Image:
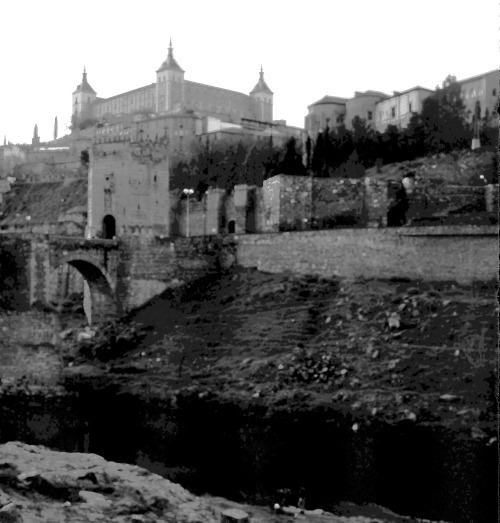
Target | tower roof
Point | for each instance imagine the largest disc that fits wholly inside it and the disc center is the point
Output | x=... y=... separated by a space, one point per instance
x=261 y=86
x=84 y=86
x=170 y=63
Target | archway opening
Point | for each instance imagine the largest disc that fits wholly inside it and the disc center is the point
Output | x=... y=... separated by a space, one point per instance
x=231 y=226
x=99 y=302
x=84 y=158
x=108 y=227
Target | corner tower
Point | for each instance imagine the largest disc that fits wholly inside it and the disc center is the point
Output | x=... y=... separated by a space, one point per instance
x=262 y=98
x=170 y=85
x=83 y=97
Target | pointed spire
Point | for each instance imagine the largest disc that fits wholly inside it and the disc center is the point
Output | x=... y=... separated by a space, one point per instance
x=4 y=139
x=35 y=131
x=261 y=85
x=170 y=51
x=170 y=62
x=84 y=85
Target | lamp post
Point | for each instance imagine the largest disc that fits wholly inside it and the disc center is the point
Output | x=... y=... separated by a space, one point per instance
x=187 y=192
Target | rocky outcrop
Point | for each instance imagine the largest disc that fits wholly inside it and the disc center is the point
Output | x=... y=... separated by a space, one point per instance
x=39 y=485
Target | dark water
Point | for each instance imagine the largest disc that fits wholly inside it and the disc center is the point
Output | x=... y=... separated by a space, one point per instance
x=244 y=455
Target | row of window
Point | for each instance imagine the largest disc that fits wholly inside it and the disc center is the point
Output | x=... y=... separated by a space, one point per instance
x=472 y=93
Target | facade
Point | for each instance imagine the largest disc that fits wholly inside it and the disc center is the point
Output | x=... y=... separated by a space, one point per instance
x=176 y=131
x=363 y=106
x=128 y=189
x=173 y=94
x=328 y=112
x=180 y=131
x=399 y=108
x=483 y=89
x=214 y=130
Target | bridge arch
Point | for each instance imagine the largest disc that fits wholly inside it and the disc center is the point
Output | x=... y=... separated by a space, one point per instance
x=99 y=290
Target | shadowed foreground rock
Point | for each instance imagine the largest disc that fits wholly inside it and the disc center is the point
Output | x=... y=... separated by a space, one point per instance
x=38 y=485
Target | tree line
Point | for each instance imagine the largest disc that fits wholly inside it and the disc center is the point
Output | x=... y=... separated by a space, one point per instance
x=442 y=126
x=226 y=164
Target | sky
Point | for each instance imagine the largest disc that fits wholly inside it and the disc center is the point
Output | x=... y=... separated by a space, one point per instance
x=308 y=49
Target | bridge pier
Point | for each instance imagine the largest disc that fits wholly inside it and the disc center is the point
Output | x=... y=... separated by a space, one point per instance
x=98 y=307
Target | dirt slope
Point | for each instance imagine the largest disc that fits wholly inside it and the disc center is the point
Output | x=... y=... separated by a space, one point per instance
x=386 y=349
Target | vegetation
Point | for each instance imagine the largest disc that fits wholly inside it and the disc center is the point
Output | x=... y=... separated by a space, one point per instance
x=442 y=126
x=81 y=125
x=225 y=164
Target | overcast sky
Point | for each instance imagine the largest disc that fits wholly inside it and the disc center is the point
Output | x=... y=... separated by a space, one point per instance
x=308 y=48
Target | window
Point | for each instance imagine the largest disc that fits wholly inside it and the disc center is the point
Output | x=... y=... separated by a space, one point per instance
x=494 y=92
x=409 y=106
x=370 y=115
x=393 y=112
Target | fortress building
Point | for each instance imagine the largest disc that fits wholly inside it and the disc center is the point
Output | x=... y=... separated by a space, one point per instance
x=173 y=94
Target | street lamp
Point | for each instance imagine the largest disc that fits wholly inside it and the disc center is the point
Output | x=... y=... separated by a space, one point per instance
x=187 y=192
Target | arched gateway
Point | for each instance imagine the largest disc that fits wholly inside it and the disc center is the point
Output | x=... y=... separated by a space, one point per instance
x=99 y=295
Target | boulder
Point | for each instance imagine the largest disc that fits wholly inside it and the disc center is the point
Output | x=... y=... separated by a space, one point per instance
x=57 y=486
x=234 y=515
x=10 y=514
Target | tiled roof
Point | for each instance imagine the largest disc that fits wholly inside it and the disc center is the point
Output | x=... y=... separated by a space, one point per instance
x=495 y=71
x=170 y=63
x=261 y=86
x=126 y=93
x=330 y=100
x=416 y=88
x=84 y=86
x=357 y=94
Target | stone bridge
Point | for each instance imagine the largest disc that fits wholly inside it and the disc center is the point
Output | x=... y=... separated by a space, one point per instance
x=97 y=261
x=118 y=275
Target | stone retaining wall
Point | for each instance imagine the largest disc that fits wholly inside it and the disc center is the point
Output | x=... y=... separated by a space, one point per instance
x=462 y=254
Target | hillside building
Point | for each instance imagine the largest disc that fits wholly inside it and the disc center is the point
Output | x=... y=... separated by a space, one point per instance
x=173 y=94
x=380 y=110
x=363 y=106
x=399 y=108
x=328 y=112
x=483 y=89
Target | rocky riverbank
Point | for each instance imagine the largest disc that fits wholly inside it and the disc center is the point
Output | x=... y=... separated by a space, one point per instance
x=39 y=485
